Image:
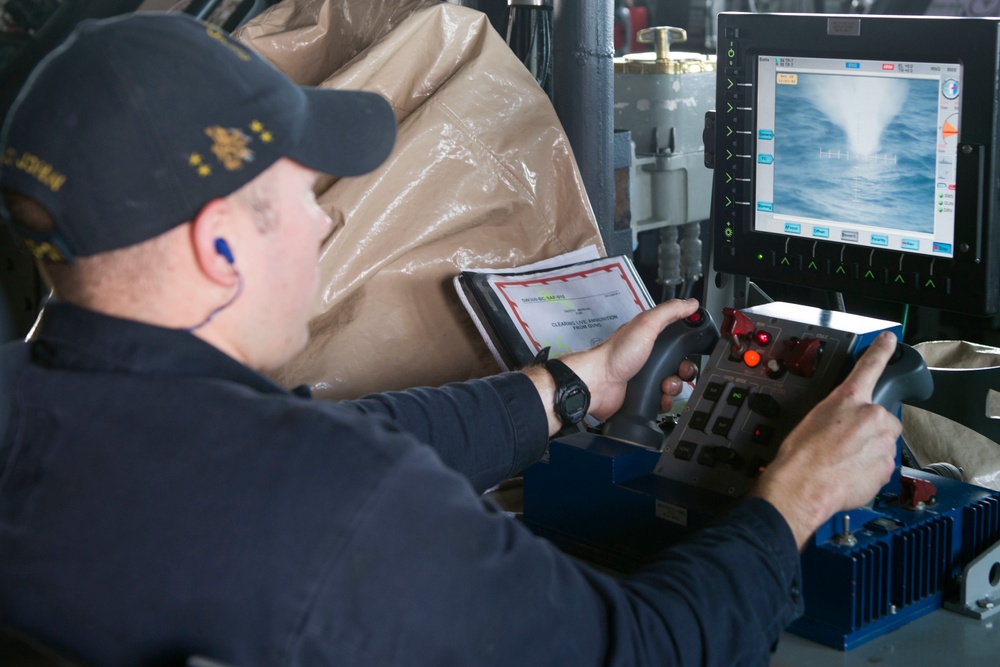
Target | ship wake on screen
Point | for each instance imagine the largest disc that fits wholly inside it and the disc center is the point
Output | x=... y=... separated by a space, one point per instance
x=859 y=149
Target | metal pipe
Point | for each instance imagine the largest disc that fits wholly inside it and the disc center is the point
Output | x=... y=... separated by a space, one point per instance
x=495 y=10
x=583 y=95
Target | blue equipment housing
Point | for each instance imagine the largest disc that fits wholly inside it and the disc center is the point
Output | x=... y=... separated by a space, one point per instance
x=618 y=503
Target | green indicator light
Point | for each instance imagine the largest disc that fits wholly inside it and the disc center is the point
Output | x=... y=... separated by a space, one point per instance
x=760 y=256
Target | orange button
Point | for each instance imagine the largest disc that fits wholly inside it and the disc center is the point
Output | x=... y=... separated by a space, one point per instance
x=751 y=358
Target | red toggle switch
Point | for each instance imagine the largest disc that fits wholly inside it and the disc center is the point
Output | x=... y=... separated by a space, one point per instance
x=916 y=492
x=804 y=356
x=738 y=328
x=735 y=323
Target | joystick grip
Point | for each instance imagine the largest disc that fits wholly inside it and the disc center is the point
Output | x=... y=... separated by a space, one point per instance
x=635 y=422
x=905 y=379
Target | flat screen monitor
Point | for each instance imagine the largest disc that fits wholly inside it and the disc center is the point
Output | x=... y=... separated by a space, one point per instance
x=858 y=154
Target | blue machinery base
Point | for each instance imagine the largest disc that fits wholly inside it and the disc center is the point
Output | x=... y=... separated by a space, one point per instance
x=597 y=498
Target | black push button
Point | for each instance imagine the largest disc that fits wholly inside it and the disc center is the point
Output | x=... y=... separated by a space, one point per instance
x=765 y=405
x=720 y=456
x=722 y=426
x=737 y=395
x=713 y=391
x=762 y=434
x=698 y=421
x=685 y=450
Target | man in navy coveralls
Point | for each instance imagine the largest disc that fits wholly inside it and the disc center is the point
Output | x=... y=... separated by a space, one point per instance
x=159 y=497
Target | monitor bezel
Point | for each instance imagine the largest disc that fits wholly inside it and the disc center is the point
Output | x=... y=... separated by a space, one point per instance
x=972 y=275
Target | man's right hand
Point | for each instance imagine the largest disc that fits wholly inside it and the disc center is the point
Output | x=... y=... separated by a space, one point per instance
x=840 y=455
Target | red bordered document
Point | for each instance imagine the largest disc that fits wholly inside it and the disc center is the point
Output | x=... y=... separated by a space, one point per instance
x=568 y=308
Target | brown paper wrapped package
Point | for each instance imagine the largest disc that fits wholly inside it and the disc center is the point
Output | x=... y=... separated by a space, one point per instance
x=482 y=175
x=934 y=438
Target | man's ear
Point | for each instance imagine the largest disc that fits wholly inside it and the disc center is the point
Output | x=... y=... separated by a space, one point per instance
x=214 y=250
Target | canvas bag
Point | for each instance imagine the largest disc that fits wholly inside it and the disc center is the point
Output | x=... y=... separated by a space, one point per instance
x=935 y=438
x=482 y=175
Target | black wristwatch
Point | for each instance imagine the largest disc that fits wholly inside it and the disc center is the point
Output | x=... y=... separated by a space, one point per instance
x=572 y=399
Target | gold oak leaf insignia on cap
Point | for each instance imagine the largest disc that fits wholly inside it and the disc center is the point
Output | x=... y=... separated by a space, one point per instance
x=44 y=251
x=195 y=160
x=258 y=128
x=229 y=146
x=216 y=34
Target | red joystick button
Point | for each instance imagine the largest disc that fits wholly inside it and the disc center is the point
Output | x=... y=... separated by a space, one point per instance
x=696 y=319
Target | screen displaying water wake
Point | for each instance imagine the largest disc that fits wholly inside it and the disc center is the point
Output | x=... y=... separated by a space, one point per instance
x=858 y=151
x=859 y=154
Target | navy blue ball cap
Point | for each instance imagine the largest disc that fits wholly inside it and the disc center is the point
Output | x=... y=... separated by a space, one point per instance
x=135 y=123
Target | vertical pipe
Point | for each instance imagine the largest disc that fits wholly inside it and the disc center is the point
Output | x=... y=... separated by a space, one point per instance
x=495 y=10
x=583 y=95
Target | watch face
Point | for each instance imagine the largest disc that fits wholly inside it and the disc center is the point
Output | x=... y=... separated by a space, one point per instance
x=572 y=396
x=575 y=403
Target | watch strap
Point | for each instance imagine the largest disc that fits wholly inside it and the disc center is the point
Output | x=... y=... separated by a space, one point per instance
x=572 y=396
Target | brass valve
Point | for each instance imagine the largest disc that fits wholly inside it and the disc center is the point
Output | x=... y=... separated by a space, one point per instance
x=661 y=37
x=662 y=60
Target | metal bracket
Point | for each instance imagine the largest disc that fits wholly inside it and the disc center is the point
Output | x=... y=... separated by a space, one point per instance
x=979 y=586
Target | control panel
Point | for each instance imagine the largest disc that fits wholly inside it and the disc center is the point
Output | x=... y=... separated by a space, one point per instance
x=620 y=497
x=772 y=364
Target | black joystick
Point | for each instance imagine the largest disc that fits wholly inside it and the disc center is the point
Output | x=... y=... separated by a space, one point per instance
x=635 y=422
x=905 y=379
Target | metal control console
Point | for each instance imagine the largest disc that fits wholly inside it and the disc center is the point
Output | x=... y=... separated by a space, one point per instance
x=619 y=497
x=773 y=364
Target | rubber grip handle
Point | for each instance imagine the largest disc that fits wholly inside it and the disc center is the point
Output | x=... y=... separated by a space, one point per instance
x=635 y=421
x=905 y=379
